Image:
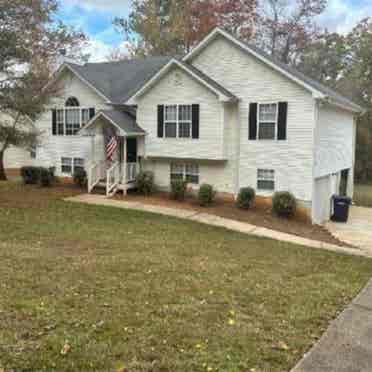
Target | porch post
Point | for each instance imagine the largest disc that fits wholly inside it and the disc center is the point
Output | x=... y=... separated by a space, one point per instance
x=125 y=165
x=93 y=150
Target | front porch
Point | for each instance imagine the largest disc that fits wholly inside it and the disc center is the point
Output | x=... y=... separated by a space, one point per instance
x=120 y=170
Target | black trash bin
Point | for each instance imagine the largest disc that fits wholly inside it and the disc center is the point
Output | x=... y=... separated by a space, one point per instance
x=341 y=206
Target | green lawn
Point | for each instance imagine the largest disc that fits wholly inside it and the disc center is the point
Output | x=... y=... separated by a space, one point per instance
x=363 y=195
x=152 y=293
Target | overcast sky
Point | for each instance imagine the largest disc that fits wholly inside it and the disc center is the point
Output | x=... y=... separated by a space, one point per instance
x=94 y=17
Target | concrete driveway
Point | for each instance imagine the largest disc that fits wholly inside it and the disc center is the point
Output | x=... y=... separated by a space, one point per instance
x=357 y=231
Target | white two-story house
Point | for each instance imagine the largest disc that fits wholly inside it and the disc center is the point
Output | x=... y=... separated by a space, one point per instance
x=225 y=114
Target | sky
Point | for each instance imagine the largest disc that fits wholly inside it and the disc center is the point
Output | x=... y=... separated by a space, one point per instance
x=94 y=18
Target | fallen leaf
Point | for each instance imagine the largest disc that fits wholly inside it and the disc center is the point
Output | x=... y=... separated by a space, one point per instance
x=66 y=348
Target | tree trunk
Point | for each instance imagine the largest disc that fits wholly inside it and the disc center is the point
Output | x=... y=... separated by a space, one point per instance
x=2 y=169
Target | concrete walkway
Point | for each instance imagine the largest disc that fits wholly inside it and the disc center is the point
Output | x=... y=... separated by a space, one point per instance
x=357 y=231
x=215 y=221
x=347 y=344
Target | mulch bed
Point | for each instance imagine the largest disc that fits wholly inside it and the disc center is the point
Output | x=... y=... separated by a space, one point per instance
x=260 y=215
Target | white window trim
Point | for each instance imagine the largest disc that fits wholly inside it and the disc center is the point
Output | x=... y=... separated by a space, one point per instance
x=259 y=122
x=266 y=191
x=177 y=121
x=184 y=173
x=65 y=109
x=72 y=164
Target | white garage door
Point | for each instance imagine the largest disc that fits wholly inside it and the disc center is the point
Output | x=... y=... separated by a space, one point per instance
x=325 y=187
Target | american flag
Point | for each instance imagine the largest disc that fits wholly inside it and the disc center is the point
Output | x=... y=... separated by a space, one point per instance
x=111 y=142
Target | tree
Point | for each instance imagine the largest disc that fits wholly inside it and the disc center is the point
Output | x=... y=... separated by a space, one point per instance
x=287 y=27
x=30 y=42
x=173 y=27
x=325 y=59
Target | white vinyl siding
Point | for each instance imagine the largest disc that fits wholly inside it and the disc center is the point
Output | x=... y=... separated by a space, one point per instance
x=334 y=144
x=53 y=148
x=254 y=82
x=179 y=89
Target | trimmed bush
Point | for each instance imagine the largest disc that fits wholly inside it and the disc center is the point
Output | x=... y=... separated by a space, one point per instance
x=30 y=175
x=80 y=178
x=178 y=189
x=46 y=177
x=206 y=195
x=145 y=183
x=284 y=204
x=245 y=198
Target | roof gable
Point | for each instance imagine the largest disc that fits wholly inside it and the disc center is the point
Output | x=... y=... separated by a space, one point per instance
x=317 y=89
x=222 y=93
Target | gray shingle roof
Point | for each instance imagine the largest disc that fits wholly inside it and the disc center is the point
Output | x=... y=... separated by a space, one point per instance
x=117 y=80
x=123 y=120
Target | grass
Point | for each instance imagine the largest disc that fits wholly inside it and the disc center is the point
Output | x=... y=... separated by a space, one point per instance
x=121 y=290
x=363 y=195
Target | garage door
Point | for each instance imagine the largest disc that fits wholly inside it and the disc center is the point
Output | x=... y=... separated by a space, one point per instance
x=325 y=187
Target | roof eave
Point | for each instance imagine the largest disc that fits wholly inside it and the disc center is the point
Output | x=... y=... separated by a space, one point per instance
x=348 y=107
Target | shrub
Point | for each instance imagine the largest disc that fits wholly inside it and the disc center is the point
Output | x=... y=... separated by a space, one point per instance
x=206 y=195
x=46 y=177
x=145 y=183
x=80 y=178
x=246 y=197
x=284 y=204
x=178 y=189
x=30 y=175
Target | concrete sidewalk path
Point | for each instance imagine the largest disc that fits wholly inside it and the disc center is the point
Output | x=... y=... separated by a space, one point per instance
x=213 y=220
x=347 y=344
x=357 y=231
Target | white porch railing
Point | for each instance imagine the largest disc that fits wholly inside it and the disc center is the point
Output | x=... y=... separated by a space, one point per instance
x=113 y=179
x=95 y=174
x=131 y=172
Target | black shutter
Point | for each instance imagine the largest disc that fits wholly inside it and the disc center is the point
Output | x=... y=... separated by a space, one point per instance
x=92 y=113
x=160 y=121
x=282 y=121
x=195 y=121
x=252 y=121
x=54 y=122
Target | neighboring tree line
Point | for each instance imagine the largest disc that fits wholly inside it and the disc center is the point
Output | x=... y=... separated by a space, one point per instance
x=287 y=30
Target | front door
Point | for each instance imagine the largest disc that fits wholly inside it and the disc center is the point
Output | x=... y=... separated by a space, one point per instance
x=131 y=150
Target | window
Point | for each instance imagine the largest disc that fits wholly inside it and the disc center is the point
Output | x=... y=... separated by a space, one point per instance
x=184 y=121
x=177 y=121
x=66 y=165
x=188 y=172
x=72 y=102
x=60 y=122
x=33 y=151
x=176 y=172
x=85 y=116
x=267 y=121
x=266 y=179
x=192 y=173
x=78 y=164
x=70 y=165
x=70 y=119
